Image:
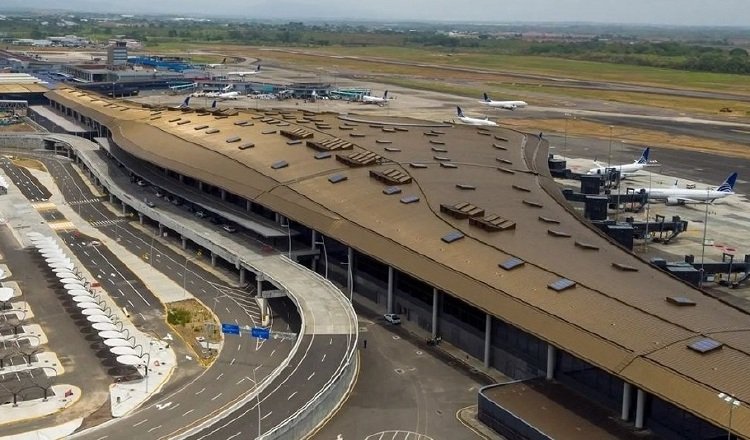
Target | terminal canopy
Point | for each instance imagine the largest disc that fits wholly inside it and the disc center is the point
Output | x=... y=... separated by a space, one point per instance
x=6 y=293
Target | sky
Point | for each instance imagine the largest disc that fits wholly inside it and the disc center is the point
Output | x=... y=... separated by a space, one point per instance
x=669 y=12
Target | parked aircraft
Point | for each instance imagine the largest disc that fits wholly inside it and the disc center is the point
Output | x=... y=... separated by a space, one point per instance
x=243 y=74
x=625 y=169
x=215 y=65
x=184 y=106
x=375 y=100
x=681 y=196
x=473 y=121
x=507 y=105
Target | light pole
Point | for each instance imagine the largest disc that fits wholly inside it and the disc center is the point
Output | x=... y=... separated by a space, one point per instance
x=257 y=395
x=184 y=274
x=703 y=244
x=609 y=156
x=732 y=404
x=565 y=141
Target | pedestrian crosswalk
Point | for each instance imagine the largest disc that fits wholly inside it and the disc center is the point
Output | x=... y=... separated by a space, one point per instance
x=61 y=225
x=103 y=223
x=44 y=206
x=84 y=201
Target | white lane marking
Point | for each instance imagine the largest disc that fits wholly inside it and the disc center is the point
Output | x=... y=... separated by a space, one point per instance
x=291 y=395
x=154 y=428
x=324 y=358
x=187 y=412
x=216 y=396
x=233 y=359
x=173 y=407
x=131 y=303
x=265 y=416
x=272 y=352
x=311 y=375
x=234 y=435
x=103 y=437
x=140 y=423
x=219 y=376
x=202 y=390
x=239 y=346
x=121 y=292
x=240 y=381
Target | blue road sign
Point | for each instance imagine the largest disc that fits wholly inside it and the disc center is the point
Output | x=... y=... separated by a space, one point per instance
x=230 y=329
x=260 y=332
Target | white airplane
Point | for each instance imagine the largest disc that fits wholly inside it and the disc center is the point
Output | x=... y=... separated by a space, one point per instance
x=375 y=100
x=215 y=65
x=228 y=95
x=507 y=105
x=243 y=74
x=625 y=169
x=198 y=94
x=473 y=121
x=681 y=196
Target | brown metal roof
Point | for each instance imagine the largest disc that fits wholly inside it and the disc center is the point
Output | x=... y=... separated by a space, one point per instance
x=615 y=319
x=22 y=88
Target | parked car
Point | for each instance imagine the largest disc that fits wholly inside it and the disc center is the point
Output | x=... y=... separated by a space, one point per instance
x=142 y=182
x=149 y=203
x=176 y=201
x=229 y=228
x=159 y=193
x=200 y=213
x=393 y=318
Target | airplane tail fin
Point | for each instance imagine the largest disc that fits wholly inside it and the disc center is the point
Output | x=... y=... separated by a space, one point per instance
x=257 y=69
x=224 y=61
x=459 y=112
x=385 y=95
x=185 y=103
x=728 y=184
x=486 y=97
x=644 y=156
x=213 y=104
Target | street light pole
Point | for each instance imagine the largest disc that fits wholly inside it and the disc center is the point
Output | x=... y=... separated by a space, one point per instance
x=257 y=395
x=609 y=156
x=732 y=404
x=703 y=244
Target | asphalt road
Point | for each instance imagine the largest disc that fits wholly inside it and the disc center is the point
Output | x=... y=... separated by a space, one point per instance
x=224 y=383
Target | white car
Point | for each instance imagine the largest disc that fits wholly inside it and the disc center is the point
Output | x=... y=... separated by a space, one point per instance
x=393 y=318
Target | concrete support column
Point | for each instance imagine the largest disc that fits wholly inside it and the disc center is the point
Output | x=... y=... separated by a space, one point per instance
x=124 y=208
x=111 y=198
x=223 y=194
x=276 y=218
x=550 y=361
x=161 y=230
x=350 y=271
x=640 y=406
x=184 y=241
x=70 y=153
x=140 y=218
x=389 y=299
x=248 y=205
x=213 y=259
x=200 y=185
x=243 y=271
x=313 y=239
x=182 y=178
x=435 y=297
x=264 y=315
x=627 y=397
x=487 y=340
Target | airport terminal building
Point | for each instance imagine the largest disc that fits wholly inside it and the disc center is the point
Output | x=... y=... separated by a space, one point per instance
x=463 y=231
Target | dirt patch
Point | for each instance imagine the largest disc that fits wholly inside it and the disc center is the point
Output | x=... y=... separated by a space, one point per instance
x=197 y=326
x=647 y=137
x=29 y=163
x=16 y=128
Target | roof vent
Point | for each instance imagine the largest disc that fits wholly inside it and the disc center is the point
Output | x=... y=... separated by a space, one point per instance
x=336 y=178
x=351 y=124
x=500 y=138
x=465 y=186
x=357 y=135
x=505 y=170
x=297 y=134
x=268 y=132
x=499 y=147
x=388 y=130
x=493 y=223
x=279 y=165
x=240 y=123
x=392 y=149
x=153 y=118
x=705 y=345
x=359 y=159
x=512 y=263
x=383 y=141
x=560 y=234
x=391 y=190
x=586 y=246
x=562 y=284
x=331 y=144
x=532 y=204
x=345 y=128
x=441 y=158
x=246 y=146
x=212 y=131
x=439 y=150
x=624 y=267
x=505 y=161
x=429 y=133
x=391 y=176
x=233 y=139
x=186 y=121
x=484 y=133
x=680 y=301
x=452 y=236
x=521 y=188
x=549 y=220
x=200 y=127
x=401 y=129
x=448 y=165
x=409 y=199
x=417 y=165
x=297 y=142
x=436 y=142
x=322 y=155
x=461 y=210
x=376 y=125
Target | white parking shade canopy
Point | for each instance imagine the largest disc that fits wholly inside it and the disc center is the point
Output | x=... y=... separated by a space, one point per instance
x=79 y=290
x=95 y=311
x=62 y=269
x=34 y=234
x=123 y=351
x=129 y=359
x=73 y=280
x=69 y=266
x=6 y=293
x=2 y=274
x=117 y=342
x=59 y=258
x=89 y=308
x=51 y=249
x=100 y=326
x=72 y=286
x=98 y=318
x=84 y=299
x=111 y=334
x=63 y=275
